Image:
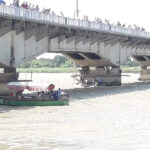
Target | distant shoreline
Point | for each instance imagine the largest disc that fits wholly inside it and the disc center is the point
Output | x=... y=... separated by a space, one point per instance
x=69 y=70
x=45 y=70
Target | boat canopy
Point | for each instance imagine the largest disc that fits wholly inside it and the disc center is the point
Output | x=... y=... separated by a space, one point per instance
x=19 y=86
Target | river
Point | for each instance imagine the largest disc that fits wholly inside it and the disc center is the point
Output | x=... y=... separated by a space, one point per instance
x=103 y=118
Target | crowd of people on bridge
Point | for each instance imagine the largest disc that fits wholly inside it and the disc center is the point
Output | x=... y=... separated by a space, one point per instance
x=26 y=5
x=98 y=20
x=135 y=27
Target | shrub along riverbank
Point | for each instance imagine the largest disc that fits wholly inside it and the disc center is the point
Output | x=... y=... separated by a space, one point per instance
x=45 y=70
x=69 y=70
x=130 y=69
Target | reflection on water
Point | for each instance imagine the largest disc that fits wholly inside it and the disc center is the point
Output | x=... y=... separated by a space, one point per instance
x=105 y=118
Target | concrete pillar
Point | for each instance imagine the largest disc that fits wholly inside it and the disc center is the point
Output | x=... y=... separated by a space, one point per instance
x=144 y=73
x=109 y=76
x=9 y=75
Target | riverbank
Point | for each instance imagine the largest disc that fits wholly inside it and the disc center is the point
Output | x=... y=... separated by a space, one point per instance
x=69 y=70
x=45 y=70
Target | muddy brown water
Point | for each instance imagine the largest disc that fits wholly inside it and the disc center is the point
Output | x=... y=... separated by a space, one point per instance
x=103 y=118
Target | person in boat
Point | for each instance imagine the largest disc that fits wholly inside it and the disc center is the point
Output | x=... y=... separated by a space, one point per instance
x=51 y=88
x=59 y=93
x=41 y=95
x=11 y=94
x=100 y=82
x=19 y=94
x=38 y=97
x=55 y=95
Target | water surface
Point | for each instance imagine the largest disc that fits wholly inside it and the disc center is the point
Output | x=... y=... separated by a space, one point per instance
x=104 y=118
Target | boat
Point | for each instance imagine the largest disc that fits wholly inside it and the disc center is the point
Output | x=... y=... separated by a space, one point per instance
x=16 y=102
x=1 y=101
x=16 y=97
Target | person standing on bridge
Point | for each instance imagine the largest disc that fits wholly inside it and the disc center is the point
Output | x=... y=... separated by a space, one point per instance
x=2 y=2
x=98 y=20
x=53 y=13
x=130 y=27
x=13 y=3
x=142 y=29
x=17 y=3
x=23 y=5
x=26 y=5
x=86 y=18
x=61 y=13
x=118 y=24
x=32 y=8
x=37 y=8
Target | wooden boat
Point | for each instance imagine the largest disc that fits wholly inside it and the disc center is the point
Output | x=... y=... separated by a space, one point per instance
x=35 y=103
x=1 y=101
x=31 y=99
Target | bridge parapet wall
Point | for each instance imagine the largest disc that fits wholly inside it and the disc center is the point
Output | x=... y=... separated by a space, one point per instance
x=44 y=18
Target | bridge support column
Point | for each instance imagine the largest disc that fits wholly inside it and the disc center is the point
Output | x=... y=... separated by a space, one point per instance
x=9 y=75
x=107 y=76
x=144 y=73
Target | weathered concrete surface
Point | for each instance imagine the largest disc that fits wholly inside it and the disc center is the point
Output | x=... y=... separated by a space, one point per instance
x=9 y=75
x=26 y=40
x=23 y=40
x=100 y=76
x=144 y=73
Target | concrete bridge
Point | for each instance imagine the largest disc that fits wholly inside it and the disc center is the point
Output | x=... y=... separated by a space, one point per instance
x=26 y=34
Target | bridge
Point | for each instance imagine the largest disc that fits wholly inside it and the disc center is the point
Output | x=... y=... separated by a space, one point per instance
x=26 y=34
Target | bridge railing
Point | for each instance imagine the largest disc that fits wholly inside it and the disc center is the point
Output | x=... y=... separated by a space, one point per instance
x=130 y=31
x=49 y=18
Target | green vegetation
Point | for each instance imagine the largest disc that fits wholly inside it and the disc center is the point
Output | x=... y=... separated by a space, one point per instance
x=57 y=62
x=130 y=63
x=130 y=69
x=45 y=70
x=61 y=64
x=69 y=70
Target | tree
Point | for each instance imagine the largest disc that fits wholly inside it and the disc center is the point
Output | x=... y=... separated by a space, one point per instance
x=57 y=61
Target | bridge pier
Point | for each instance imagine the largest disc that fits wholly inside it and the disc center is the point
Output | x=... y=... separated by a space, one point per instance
x=9 y=75
x=107 y=76
x=144 y=73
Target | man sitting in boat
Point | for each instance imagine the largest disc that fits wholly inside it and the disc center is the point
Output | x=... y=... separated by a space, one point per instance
x=19 y=94
x=59 y=93
x=54 y=95
x=50 y=95
x=41 y=95
x=51 y=87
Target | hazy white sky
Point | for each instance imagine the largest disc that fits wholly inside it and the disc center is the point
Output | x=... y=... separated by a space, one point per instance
x=127 y=11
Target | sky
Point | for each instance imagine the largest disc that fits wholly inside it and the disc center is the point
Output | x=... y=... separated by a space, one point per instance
x=126 y=11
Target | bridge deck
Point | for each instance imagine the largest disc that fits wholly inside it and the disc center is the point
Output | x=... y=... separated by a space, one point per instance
x=34 y=16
